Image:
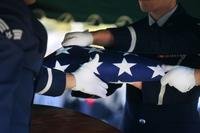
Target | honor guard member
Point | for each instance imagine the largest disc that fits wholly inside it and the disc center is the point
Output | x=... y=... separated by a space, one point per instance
x=23 y=44
x=170 y=35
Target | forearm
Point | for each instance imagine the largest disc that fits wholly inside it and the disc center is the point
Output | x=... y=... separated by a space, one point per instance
x=70 y=81
x=102 y=38
x=50 y=82
x=197 y=76
x=137 y=84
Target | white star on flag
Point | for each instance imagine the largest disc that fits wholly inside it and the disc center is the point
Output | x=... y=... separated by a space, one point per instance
x=60 y=67
x=157 y=71
x=63 y=50
x=124 y=67
x=96 y=71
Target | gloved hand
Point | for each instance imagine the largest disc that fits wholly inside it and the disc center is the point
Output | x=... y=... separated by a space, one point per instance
x=78 y=39
x=87 y=81
x=182 y=78
x=112 y=87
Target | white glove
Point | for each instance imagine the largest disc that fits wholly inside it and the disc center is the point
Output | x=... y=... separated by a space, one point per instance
x=182 y=78
x=87 y=81
x=78 y=39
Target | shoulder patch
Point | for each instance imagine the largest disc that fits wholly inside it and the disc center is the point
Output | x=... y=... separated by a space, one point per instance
x=15 y=34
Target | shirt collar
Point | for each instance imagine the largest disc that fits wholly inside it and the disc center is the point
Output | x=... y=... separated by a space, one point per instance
x=163 y=19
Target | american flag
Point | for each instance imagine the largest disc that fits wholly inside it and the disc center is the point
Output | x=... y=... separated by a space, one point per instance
x=113 y=66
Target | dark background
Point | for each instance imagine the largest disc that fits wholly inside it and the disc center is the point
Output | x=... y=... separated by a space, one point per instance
x=109 y=10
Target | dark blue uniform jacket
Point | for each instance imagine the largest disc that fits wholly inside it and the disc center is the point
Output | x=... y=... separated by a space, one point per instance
x=22 y=47
x=154 y=109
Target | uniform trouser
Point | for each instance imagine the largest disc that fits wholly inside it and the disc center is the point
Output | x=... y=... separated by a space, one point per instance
x=163 y=119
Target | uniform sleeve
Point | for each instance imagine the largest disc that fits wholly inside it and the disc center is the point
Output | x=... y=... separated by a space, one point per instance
x=123 y=38
x=10 y=68
x=181 y=37
x=50 y=82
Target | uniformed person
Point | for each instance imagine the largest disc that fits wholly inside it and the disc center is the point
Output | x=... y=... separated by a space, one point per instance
x=167 y=34
x=23 y=44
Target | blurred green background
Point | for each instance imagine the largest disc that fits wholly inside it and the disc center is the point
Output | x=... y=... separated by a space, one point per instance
x=109 y=10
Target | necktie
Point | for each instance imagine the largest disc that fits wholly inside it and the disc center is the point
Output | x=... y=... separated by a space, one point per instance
x=155 y=26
